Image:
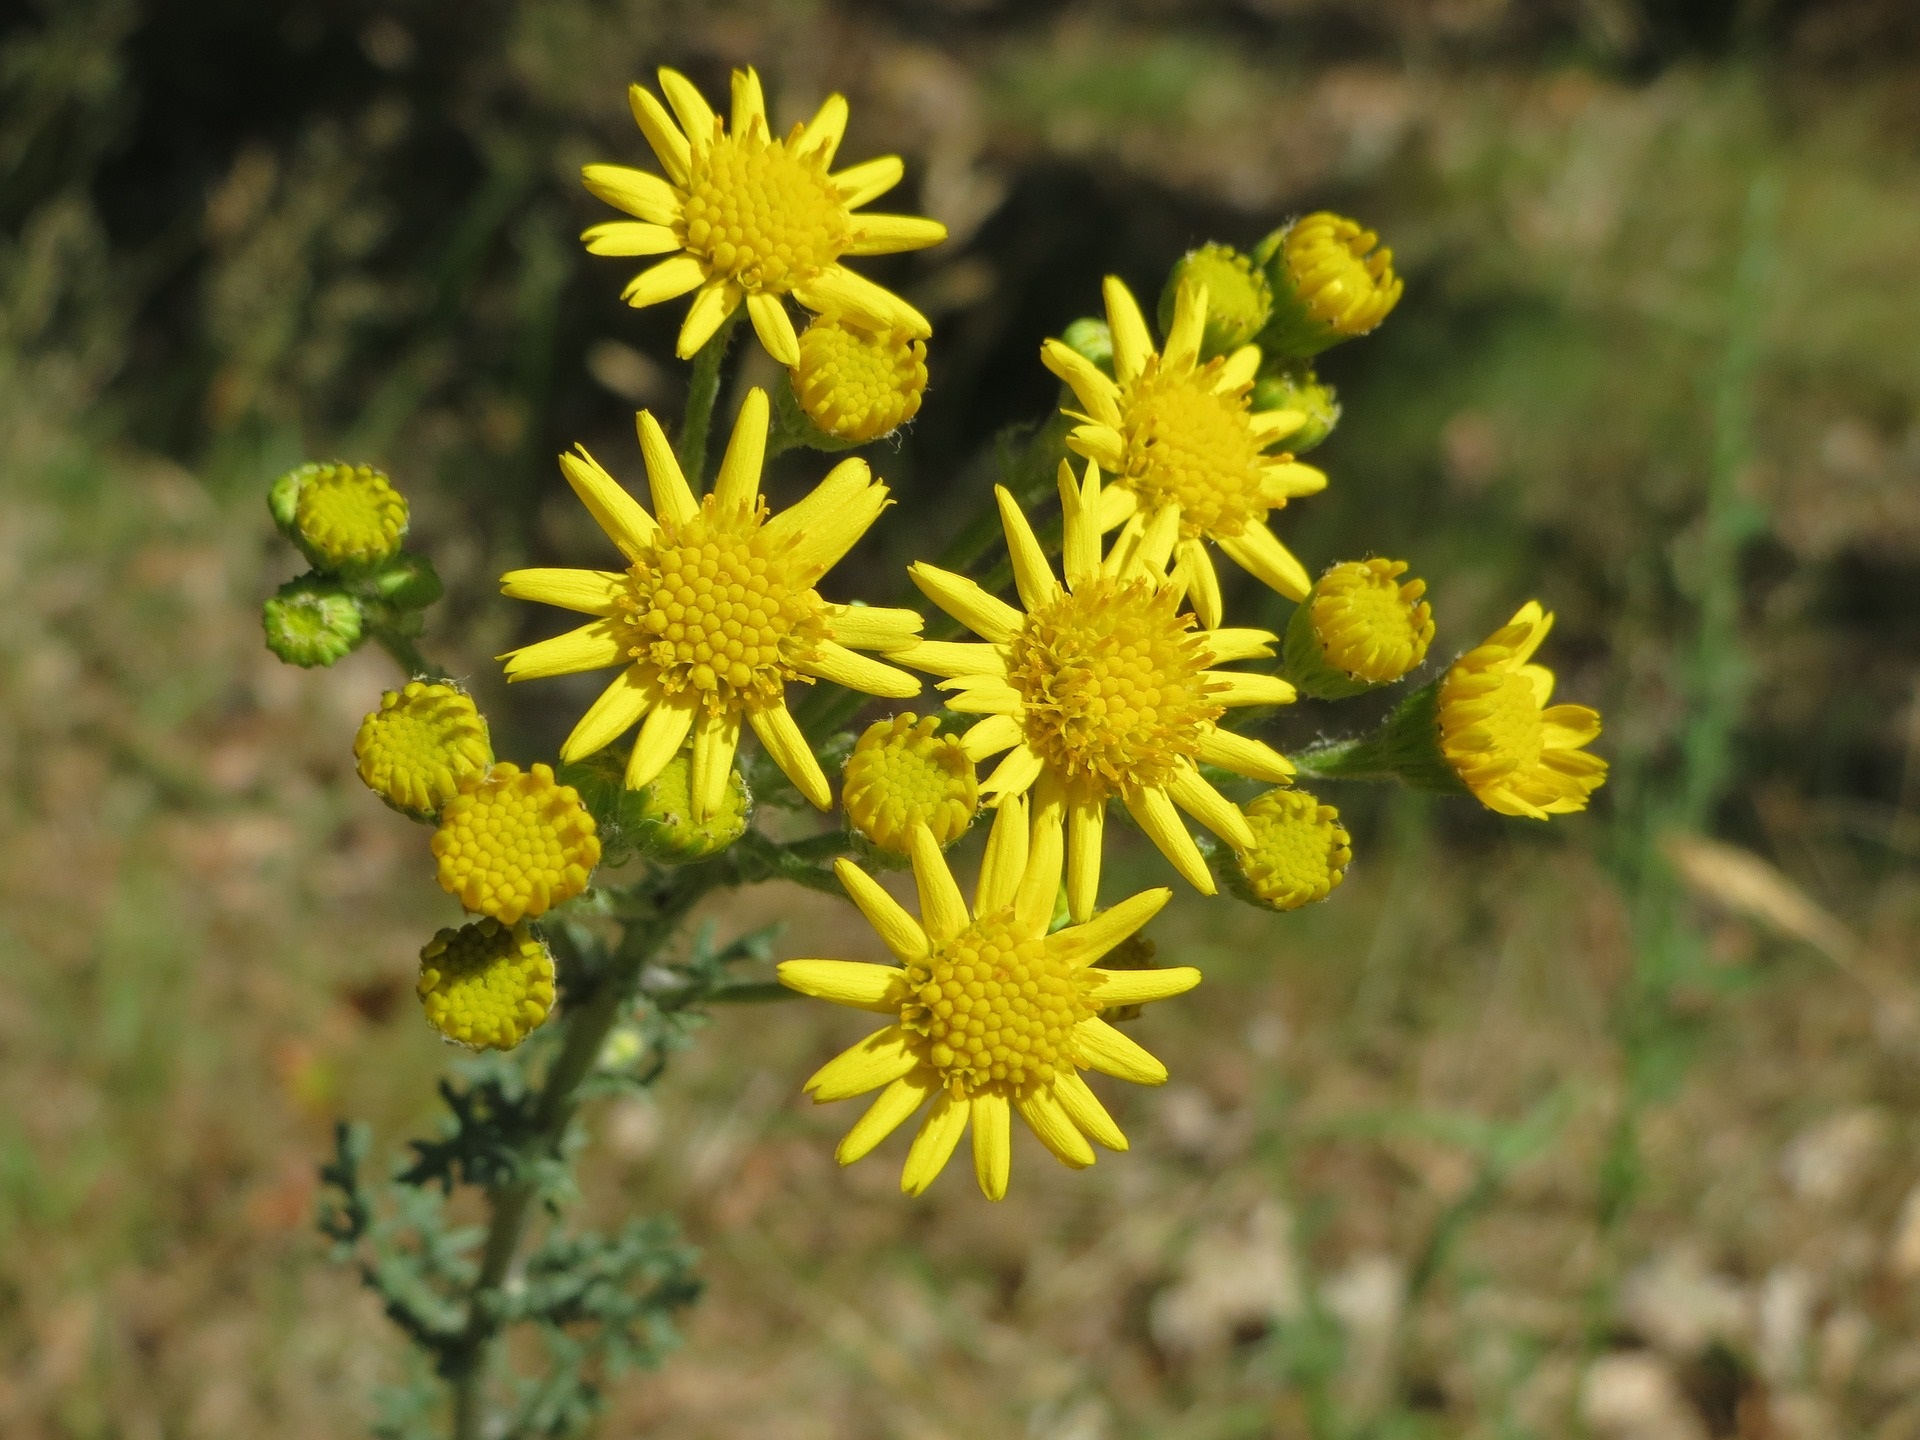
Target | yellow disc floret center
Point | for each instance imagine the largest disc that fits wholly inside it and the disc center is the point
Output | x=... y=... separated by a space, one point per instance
x=903 y=773
x=856 y=384
x=515 y=844
x=759 y=214
x=1369 y=624
x=1192 y=446
x=716 y=608
x=995 y=1009
x=1300 y=852
x=486 y=984
x=1490 y=723
x=1113 y=684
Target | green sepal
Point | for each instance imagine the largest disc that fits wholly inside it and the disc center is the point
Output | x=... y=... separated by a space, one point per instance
x=1239 y=297
x=312 y=622
x=1406 y=747
x=1295 y=386
x=1091 y=339
x=407 y=582
x=1303 y=660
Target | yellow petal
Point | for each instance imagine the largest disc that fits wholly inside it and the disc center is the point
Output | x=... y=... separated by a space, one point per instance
x=891 y=234
x=838 y=288
x=1207 y=805
x=1153 y=811
x=1132 y=344
x=898 y=930
x=1239 y=369
x=665 y=281
x=950 y=658
x=943 y=911
x=854 y=983
x=635 y=192
x=618 y=708
x=982 y=695
x=859 y=672
x=1083 y=1107
x=1256 y=550
x=824 y=132
x=891 y=1107
x=1244 y=756
x=866 y=182
x=1104 y=445
x=613 y=509
x=1040 y=884
x=1084 y=944
x=1086 y=824
x=774 y=327
x=1195 y=575
x=1290 y=480
x=1049 y=1122
x=1130 y=987
x=1014 y=775
x=736 y=488
x=1091 y=386
x=992 y=1143
x=591 y=647
x=1079 y=526
x=946 y=1122
x=660 y=739
x=1239 y=644
x=1118 y=505
x=1238 y=687
x=843 y=487
x=672 y=496
x=590 y=592
x=715 y=738
x=1032 y=576
x=987 y=617
x=782 y=738
x=669 y=142
x=990 y=736
x=1182 y=349
x=630 y=237
x=1004 y=860
x=1105 y=1049
x=880 y=1059
x=716 y=300
x=1161 y=534
x=749 y=102
x=876 y=627
x=696 y=116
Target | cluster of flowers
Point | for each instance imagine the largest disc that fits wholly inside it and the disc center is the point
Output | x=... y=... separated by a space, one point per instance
x=1106 y=678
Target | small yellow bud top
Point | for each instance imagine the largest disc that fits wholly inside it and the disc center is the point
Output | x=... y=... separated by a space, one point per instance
x=348 y=517
x=421 y=745
x=1329 y=282
x=902 y=773
x=486 y=985
x=1239 y=300
x=513 y=844
x=857 y=383
x=667 y=828
x=1300 y=851
x=1361 y=627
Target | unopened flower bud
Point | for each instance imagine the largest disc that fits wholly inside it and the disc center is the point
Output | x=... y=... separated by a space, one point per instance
x=1091 y=339
x=1239 y=300
x=348 y=519
x=856 y=383
x=1360 y=627
x=311 y=621
x=663 y=825
x=486 y=985
x=903 y=773
x=1297 y=388
x=1329 y=283
x=514 y=844
x=1300 y=852
x=422 y=744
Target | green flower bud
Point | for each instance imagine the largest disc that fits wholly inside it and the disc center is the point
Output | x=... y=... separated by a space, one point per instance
x=665 y=829
x=1239 y=300
x=1297 y=388
x=346 y=519
x=311 y=621
x=1091 y=339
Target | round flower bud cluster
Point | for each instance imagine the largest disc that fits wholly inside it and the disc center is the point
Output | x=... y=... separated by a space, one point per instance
x=856 y=383
x=1330 y=283
x=661 y=815
x=1300 y=851
x=422 y=744
x=514 y=844
x=486 y=985
x=1359 y=628
x=903 y=773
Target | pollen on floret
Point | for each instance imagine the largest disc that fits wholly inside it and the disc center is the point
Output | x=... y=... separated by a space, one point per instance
x=349 y=517
x=1370 y=624
x=718 y=609
x=995 y=1008
x=1300 y=853
x=515 y=843
x=421 y=745
x=761 y=212
x=903 y=773
x=1113 y=683
x=1190 y=444
x=857 y=383
x=486 y=985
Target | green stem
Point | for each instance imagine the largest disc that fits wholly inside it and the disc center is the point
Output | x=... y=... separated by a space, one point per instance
x=406 y=654
x=703 y=389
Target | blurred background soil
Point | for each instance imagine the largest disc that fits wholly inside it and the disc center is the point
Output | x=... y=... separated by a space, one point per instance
x=1530 y=1131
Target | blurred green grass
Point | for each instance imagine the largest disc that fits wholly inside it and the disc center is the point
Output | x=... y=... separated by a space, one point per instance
x=1383 y=1196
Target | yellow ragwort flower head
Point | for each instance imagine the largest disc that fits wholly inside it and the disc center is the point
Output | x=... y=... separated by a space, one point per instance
x=1361 y=627
x=991 y=1014
x=1101 y=689
x=745 y=216
x=486 y=985
x=1300 y=850
x=904 y=773
x=515 y=844
x=349 y=517
x=1180 y=438
x=1516 y=753
x=667 y=829
x=715 y=613
x=1329 y=283
x=857 y=383
x=423 y=742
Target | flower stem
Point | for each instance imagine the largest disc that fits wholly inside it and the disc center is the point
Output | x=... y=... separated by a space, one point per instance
x=703 y=389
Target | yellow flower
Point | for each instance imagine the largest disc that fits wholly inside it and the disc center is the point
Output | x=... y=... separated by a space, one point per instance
x=1102 y=689
x=991 y=1013
x=1517 y=754
x=1329 y=283
x=347 y=517
x=715 y=612
x=1300 y=850
x=513 y=844
x=1360 y=628
x=856 y=383
x=1180 y=438
x=423 y=742
x=747 y=216
x=486 y=985
x=903 y=773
